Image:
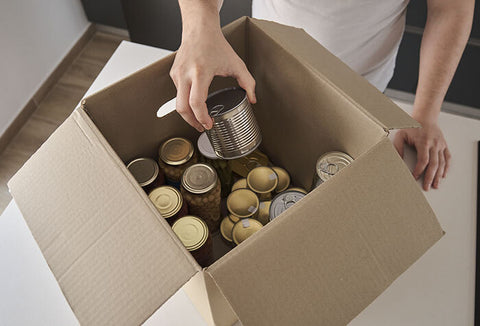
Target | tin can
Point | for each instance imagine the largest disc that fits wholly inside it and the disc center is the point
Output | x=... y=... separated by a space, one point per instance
x=169 y=202
x=242 y=203
x=264 y=212
x=235 y=130
x=226 y=227
x=194 y=234
x=247 y=163
x=240 y=184
x=303 y=191
x=175 y=156
x=233 y=218
x=245 y=228
x=328 y=165
x=284 y=201
x=201 y=190
x=283 y=179
x=147 y=173
x=262 y=180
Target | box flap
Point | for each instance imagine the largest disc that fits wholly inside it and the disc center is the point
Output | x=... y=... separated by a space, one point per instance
x=328 y=257
x=113 y=255
x=343 y=79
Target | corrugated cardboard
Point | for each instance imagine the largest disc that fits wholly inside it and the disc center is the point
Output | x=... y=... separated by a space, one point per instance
x=319 y=263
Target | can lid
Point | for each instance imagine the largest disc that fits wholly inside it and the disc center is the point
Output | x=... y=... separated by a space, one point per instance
x=144 y=170
x=244 y=229
x=283 y=201
x=167 y=200
x=233 y=218
x=205 y=147
x=225 y=100
x=330 y=163
x=192 y=231
x=240 y=184
x=226 y=227
x=262 y=179
x=242 y=203
x=176 y=151
x=303 y=191
x=264 y=212
x=199 y=178
x=283 y=178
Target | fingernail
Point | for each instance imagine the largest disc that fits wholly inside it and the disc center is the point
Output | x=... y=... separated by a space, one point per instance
x=206 y=126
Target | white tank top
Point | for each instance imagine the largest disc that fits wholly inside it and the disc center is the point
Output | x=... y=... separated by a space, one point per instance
x=365 y=34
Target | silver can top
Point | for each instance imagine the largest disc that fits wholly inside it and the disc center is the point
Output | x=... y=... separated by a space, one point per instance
x=199 y=178
x=330 y=163
x=284 y=201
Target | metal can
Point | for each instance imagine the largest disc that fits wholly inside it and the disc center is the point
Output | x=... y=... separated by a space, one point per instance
x=175 y=156
x=242 y=203
x=201 y=190
x=226 y=228
x=245 y=228
x=264 y=212
x=247 y=163
x=283 y=179
x=284 y=201
x=147 y=173
x=233 y=218
x=303 y=191
x=195 y=236
x=262 y=180
x=240 y=184
x=328 y=165
x=169 y=202
x=235 y=130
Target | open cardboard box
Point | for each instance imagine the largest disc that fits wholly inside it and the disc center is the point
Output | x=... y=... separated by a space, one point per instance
x=319 y=263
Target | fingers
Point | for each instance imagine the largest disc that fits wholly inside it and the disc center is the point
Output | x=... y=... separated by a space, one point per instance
x=448 y=156
x=431 y=169
x=399 y=143
x=183 y=106
x=246 y=81
x=198 y=96
x=440 y=170
x=422 y=161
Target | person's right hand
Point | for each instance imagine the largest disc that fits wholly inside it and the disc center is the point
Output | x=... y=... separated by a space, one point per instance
x=203 y=54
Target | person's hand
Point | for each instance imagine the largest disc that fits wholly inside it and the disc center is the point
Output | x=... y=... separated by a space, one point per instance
x=433 y=155
x=203 y=54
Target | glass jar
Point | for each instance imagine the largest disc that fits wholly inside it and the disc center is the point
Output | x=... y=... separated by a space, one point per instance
x=147 y=173
x=169 y=202
x=194 y=234
x=175 y=156
x=201 y=189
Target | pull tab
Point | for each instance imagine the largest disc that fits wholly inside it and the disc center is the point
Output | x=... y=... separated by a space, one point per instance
x=329 y=168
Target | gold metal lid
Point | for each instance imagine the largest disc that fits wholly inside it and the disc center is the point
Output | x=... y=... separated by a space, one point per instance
x=192 y=231
x=234 y=218
x=176 y=151
x=330 y=163
x=264 y=212
x=144 y=170
x=240 y=184
x=262 y=179
x=244 y=229
x=242 y=203
x=226 y=227
x=298 y=189
x=167 y=200
x=283 y=179
x=199 y=178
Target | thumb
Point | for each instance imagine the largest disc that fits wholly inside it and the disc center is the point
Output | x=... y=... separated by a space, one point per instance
x=399 y=143
x=246 y=81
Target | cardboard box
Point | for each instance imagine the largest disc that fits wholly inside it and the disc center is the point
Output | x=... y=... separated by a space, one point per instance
x=319 y=263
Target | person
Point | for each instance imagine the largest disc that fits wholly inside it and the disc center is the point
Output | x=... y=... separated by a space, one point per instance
x=364 y=34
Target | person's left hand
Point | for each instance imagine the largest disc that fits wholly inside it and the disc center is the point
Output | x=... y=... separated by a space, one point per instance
x=433 y=155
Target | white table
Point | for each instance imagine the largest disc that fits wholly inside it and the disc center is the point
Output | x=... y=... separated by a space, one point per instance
x=436 y=290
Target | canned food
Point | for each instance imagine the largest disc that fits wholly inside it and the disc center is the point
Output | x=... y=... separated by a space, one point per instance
x=262 y=180
x=243 y=229
x=235 y=130
x=240 y=184
x=242 y=203
x=146 y=172
x=328 y=165
x=303 y=191
x=284 y=201
x=195 y=236
x=226 y=228
x=201 y=190
x=264 y=212
x=283 y=179
x=169 y=203
x=175 y=156
x=247 y=163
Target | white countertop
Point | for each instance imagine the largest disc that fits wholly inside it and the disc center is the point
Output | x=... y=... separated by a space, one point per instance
x=437 y=290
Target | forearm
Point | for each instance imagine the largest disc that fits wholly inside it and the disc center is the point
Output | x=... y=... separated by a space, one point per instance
x=444 y=39
x=199 y=15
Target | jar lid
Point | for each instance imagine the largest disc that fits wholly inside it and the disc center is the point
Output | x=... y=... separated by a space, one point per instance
x=167 y=200
x=144 y=170
x=176 y=151
x=284 y=201
x=262 y=179
x=330 y=163
x=283 y=179
x=264 y=212
x=226 y=227
x=199 y=178
x=205 y=147
x=242 y=203
x=225 y=100
x=192 y=231
x=244 y=229
x=240 y=184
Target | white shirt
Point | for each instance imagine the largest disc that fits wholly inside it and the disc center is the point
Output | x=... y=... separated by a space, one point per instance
x=365 y=34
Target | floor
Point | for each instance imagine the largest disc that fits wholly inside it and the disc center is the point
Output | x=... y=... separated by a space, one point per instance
x=56 y=107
